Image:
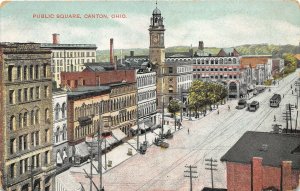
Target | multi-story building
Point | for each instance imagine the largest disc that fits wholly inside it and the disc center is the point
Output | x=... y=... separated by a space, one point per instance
x=61 y=151
x=146 y=93
x=69 y=57
x=122 y=95
x=263 y=161
x=26 y=120
x=172 y=75
x=219 y=69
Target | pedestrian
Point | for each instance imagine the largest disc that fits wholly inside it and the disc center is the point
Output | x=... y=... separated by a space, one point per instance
x=228 y=107
x=218 y=112
x=282 y=95
x=188 y=130
x=292 y=92
x=291 y=86
x=274 y=118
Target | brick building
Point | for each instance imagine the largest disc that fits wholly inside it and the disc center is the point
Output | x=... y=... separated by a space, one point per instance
x=263 y=161
x=26 y=120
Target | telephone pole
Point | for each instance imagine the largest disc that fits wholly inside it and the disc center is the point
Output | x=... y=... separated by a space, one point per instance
x=191 y=174
x=211 y=166
x=286 y=117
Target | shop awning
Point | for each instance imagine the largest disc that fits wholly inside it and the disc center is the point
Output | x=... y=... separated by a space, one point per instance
x=58 y=158
x=83 y=121
x=134 y=127
x=81 y=149
x=118 y=134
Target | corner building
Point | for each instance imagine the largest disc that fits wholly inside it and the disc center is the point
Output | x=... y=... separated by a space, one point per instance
x=26 y=117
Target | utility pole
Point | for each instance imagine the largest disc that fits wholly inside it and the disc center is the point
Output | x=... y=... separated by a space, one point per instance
x=290 y=108
x=138 y=127
x=181 y=108
x=91 y=168
x=163 y=117
x=211 y=167
x=191 y=174
x=99 y=141
x=296 y=124
x=286 y=117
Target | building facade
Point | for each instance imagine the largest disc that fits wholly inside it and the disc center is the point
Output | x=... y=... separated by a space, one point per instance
x=146 y=94
x=262 y=161
x=61 y=151
x=69 y=57
x=26 y=89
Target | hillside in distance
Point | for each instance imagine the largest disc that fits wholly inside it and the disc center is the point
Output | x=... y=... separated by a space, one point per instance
x=248 y=49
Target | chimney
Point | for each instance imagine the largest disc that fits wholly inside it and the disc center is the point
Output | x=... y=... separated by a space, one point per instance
x=257 y=174
x=286 y=175
x=112 y=51
x=131 y=53
x=201 y=45
x=115 y=62
x=55 y=38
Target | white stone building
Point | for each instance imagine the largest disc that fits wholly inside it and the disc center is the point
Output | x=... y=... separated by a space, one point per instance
x=60 y=142
x=69 y=57
x=146 y=87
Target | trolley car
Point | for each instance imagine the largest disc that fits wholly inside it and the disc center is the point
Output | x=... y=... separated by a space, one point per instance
x=275 y=100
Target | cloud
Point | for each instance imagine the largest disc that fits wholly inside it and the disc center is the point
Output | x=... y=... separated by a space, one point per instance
x=233 y=30
x=230 y=30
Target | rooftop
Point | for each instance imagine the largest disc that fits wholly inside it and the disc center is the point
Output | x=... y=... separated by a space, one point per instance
x=68 y=46
x=273 y=148
x=84 y=90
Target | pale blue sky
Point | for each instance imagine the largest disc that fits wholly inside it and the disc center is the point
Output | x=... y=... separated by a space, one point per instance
x=219 y=23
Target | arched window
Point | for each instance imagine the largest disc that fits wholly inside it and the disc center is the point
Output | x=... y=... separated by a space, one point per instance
x=47 y=118
x=20 y=120
x=64 y=134
x=57 y=109
x=12 y=123
x=25 y=119
x=32 y=117
x=57 y=135
x=37 y=116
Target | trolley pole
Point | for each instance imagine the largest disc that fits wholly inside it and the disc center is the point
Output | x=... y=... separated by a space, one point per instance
x=191 y=174
x=211 y=167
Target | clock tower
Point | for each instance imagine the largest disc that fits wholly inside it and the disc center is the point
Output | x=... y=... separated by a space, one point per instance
x=157 y=53
x=157 y=45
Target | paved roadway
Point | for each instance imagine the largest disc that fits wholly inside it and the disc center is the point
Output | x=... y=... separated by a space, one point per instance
x=211 y=136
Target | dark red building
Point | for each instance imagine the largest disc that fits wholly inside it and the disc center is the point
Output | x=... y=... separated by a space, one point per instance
x=263 y=161
x=90 y=78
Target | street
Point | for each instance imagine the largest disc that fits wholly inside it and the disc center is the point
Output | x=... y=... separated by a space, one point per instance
x=208 y=137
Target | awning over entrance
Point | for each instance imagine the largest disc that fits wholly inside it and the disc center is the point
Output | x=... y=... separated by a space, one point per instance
x=118 y=134
x=81 y=149
x=85 y=121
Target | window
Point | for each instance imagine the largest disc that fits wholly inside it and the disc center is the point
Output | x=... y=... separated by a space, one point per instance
x=25 y=94
x=46 y=135
x=12 y=170
x=31 y=94
x=63 y=110
x=19 y=95
x=44 y=70
x=46 y=91
x=47 y=119
x=20 y=120
x=32 y=117
x=57 y=135
x=64 y=137
x=19 y=72
x=12 y=146
x=10 y=73
x=57 y=110
x=36 y=72
x=12 y=123
x=47 y=157
x=31 y=72
x=25 y=119
x=37 y=116
x=25 y=73
x=11 y=96
x=38 y=160
x=170 y=70
x=37 y=92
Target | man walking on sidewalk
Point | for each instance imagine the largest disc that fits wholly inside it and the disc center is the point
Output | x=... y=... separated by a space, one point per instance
x=188 y=131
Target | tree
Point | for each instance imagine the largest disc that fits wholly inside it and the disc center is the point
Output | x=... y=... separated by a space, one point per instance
x=173 y=107
x=290 y=63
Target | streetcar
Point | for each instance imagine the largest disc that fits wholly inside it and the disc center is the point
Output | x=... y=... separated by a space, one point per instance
x=241 y=104
x=275 y=100
x=254 y=105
